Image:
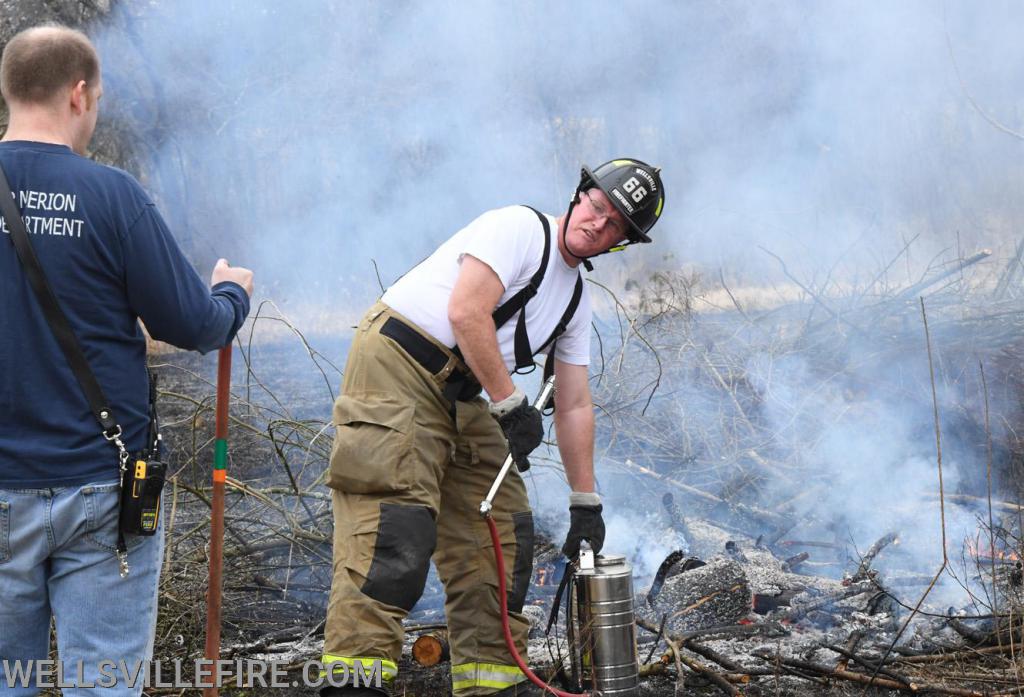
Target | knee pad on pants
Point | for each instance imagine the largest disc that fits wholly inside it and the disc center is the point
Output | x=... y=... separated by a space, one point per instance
x=406 y=537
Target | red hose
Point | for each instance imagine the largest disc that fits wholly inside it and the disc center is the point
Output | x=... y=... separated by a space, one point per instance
x=499 y=559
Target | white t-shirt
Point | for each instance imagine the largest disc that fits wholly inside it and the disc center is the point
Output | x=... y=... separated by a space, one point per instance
x=511 y=241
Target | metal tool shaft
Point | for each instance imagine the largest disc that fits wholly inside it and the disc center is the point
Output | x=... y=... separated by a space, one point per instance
x=542 y=399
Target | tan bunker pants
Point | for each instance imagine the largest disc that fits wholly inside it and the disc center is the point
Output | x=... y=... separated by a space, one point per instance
x=408 y=477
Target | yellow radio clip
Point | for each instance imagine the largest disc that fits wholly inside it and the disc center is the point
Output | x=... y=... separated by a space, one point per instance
x=140 y=478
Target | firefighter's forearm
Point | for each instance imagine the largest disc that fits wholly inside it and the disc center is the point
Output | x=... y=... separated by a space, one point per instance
x=476 y=337
x=575 y=431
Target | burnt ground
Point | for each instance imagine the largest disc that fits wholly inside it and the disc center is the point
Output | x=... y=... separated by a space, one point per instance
x=275 y=595
x=684 y=418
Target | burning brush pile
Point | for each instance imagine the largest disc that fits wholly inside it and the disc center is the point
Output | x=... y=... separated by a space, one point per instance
x=814 y=499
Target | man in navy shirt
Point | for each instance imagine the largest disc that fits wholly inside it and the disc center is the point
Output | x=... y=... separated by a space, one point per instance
x=111 y=260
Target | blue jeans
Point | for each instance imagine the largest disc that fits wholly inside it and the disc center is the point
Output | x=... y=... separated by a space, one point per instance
x=57 y=556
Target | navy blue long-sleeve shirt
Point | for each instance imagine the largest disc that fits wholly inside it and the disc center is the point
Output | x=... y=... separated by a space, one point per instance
x=111 y=260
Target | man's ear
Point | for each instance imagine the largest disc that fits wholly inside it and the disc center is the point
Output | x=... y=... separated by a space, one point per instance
x=79 y=98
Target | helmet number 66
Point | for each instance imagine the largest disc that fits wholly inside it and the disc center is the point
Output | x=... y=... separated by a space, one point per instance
x=633 y=188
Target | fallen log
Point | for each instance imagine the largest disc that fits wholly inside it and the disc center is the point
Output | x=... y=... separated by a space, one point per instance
x=856 y=636
x=809 y=543
x=976 y=501
x=869 y=557
x=431 y=648
x=676 y=521
x=1006 y=278
x=956 y=656
x=734 y=551
x=794 y=561
x=849 y=655
x=975 y=636
x=916 y=289
x=761 y=516
x=715 y=594
x=667 y=567
x=732 y=666
x=908 y=581
x=722 y=682
x=649 y=669
x=765 y=603
x=825 y=671
x=801 y=606
x=767 y=629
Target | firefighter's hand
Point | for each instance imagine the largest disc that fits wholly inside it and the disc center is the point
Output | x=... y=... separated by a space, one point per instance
x=522 y=424
x=585 y=523
x=236 y=274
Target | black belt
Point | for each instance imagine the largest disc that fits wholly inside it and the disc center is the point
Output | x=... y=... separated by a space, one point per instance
x=459 y=385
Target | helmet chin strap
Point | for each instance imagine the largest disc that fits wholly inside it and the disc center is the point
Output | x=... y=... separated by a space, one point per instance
x=565 y=228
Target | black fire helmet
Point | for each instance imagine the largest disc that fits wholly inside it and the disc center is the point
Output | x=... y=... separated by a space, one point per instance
x=634 y=188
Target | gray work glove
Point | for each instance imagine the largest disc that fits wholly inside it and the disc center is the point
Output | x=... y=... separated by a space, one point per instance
x=522 y=425
x=585 y=523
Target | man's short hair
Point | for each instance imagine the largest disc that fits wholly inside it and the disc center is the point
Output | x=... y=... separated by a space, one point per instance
x=40 y=62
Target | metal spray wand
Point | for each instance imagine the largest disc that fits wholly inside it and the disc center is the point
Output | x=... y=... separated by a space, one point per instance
x=542 y=399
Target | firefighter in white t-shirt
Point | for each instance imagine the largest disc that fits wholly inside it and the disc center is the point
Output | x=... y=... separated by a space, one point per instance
x=417 y=447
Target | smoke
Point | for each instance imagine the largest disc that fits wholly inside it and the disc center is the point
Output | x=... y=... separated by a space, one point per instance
x=311 y=138
x=312 y=141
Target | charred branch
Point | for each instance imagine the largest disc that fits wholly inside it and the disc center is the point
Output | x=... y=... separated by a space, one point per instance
x=869 y=557
x=850 y=676
x=801 y=606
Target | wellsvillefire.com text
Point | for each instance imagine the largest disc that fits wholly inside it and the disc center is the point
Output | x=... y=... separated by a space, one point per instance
x=181 y=674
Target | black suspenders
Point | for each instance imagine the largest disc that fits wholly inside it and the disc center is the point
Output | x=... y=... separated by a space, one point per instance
x=517 y=303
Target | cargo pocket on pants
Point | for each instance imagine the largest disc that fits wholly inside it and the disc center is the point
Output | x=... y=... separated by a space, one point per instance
x=372 y=445
x=522 y=570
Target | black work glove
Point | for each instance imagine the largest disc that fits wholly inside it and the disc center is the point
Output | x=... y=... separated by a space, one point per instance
x=585 y=523
x=523 y=427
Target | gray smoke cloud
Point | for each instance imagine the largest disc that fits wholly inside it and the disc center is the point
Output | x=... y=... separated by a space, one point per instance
x=312 y=137
x=825 y=131
x=309 y=139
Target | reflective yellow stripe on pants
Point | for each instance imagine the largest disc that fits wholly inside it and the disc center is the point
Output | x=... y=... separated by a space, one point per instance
x=389 y=669
x=467 y=675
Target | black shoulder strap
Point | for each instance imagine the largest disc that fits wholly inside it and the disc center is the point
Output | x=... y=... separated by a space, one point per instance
x=563 y=324
x=504 y=312
x=55 y=316
x=517 y=303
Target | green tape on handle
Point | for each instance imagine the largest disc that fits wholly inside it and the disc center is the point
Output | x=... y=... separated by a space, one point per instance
x=220 y=454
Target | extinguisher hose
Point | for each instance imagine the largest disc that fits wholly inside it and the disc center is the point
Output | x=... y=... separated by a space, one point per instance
x=499 y=559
